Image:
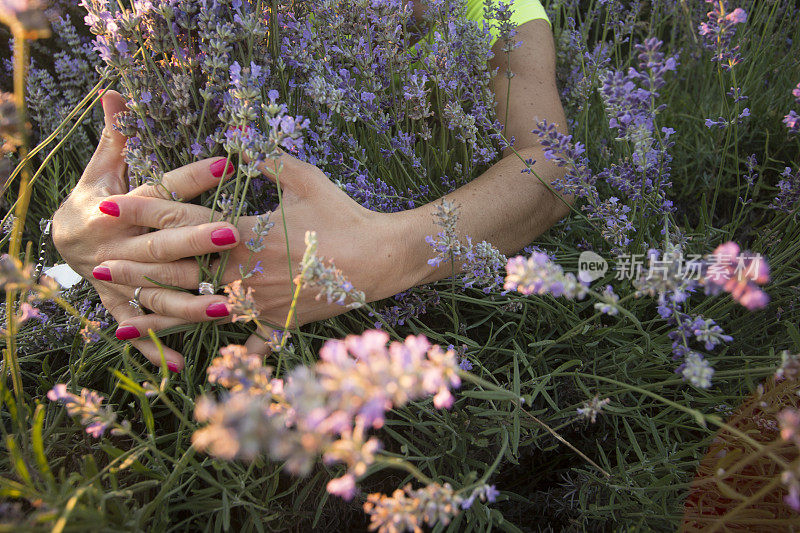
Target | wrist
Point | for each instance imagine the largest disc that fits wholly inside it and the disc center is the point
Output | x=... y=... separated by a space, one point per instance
x=408 y=252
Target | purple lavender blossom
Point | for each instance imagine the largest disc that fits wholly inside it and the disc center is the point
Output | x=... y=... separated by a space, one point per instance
x=792 y=121
x=481 y=262
x=719 y=31
x=788 y=191
x=410 y=304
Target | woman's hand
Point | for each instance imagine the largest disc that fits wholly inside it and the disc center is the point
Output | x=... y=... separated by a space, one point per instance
x=85 y=236
x=362 y=243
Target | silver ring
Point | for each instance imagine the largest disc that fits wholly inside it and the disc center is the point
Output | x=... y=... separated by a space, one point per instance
x=135 y=303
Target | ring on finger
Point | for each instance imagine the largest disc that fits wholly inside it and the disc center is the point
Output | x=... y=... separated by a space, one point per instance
x=135 y=303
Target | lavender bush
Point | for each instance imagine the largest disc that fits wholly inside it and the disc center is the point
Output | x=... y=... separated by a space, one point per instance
x=525 y=390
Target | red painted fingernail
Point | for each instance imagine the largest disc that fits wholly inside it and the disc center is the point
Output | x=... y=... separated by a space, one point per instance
x=109 y=208
x=102 y=273
x=127 y=332
x=218 y=168
x=223 y=236
x=173 y=367
x=217 y=310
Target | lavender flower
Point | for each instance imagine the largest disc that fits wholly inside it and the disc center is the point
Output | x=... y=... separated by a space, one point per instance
x=630 y=97
x=446 y=244
x=329 y=279
x=668 y=278
x=485 y=493
x=481 y=262
x=579 y=182
x=792 y=121
x=88 y=406
x=27 y=311
x=324 y=410
x=408 y=509
x=241 y=426
x=363 y=363
x=592 y=408
x=411 y=304
x=709 y=333
x=791 y=480
x=697 y=371
x=242 y=304
x=789 y=420
x=719 y=31
x=790 y=367
x=260 y=230
x=738 y=274
x=788 y=191
x=236 y=370
x=608 y=304
x=91 y=331
x=539 y=275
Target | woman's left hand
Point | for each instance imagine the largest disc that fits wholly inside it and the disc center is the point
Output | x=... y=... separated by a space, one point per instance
x=363 y=244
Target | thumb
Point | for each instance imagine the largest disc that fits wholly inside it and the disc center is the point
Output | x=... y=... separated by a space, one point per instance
x=107 y=166
x=256 y=343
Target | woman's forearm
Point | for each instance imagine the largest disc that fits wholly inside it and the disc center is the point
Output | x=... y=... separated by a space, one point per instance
x=503 y=206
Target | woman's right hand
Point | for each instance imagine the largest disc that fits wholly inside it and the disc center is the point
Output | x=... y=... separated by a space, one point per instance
x=85 y=236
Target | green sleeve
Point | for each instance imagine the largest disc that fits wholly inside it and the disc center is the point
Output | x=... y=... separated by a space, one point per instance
x=523 y=11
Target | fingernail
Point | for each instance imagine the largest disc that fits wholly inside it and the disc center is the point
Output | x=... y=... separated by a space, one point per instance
x=217 y=310
x=219 y=167
x=127 y=332
x=223 y=236
x=173 y=367
x=109 y=208
x=101 y=99
x=102 y=273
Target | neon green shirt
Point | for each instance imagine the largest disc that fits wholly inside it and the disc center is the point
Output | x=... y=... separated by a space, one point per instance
x=523 y=11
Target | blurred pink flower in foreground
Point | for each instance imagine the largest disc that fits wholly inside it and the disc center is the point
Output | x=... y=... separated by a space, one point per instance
x=324 y=410
x=738 y=274
x=27 y=15
x=16 y=6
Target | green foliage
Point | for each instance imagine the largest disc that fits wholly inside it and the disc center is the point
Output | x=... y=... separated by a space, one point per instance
x=552 y=353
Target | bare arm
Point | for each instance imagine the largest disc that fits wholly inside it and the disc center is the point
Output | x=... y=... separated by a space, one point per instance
x=380 y=253
x=502 y=206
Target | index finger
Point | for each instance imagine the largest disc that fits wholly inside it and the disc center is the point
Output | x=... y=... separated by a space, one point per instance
x=189 y=180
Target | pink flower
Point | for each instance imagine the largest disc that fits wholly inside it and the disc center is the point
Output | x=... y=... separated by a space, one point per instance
x=796 y=93
x=27 y=312
x=539 y=275
x=408 y=509
x=789 y=420
x=237 y=370
x=792 y=121
x=738 y=274
x=737 y=16
x=344 y=487
x=87 y=406
x=28 y=14
x=17 y=6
